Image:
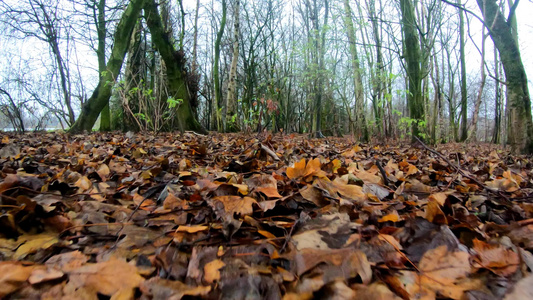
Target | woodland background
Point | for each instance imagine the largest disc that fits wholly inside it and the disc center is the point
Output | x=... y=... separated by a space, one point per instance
x=334 y=67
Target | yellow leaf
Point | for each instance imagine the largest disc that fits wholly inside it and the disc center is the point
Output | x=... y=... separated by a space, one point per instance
x=34 y=243
x=266 y=234
x=212 y=270
x=411 y=170
x=312 y=168
x=439 y=197
x=84 y=183
x=103 y=171
x=192 y=229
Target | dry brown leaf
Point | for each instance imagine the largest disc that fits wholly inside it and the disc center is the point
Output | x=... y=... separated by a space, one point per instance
x=67 y=261
x=441 y=271
x=166 y=289
x=12 y=276
x=236 y=204
x=434 y=214
x=44 y=274
x=496 y=258
x=108 y=278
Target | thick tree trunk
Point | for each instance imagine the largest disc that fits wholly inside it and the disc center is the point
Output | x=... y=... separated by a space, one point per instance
x=175 y=67
x=518 y=98
x=100 y=97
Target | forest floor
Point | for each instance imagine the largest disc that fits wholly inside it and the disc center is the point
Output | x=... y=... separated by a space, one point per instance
x=238 y=216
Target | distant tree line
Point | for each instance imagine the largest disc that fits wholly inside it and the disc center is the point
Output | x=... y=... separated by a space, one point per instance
x=384 y=69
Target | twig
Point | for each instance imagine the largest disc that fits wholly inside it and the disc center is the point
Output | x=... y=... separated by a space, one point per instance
x=288 y=237
x=269 y=152
x=383 y=173
x=463 y=173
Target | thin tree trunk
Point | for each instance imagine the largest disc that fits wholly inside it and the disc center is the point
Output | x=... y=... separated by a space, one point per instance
x=475 y=115
x=464 y=95
x=216 y=74
x=231 y=101
x=359 y=114
x=105 y=115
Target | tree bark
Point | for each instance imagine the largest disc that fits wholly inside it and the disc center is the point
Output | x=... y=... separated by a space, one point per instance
x=175 y=68
x=518 y=98
x=231 y=100
x=464 y=95
x=475 y=115
x=100 y=97
x=358 y=80
x=413 y=59
x=105 y=115
x=216 y=75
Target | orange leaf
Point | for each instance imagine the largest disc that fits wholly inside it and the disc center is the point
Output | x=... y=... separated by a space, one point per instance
x=297 y=171
x=192 y=229
x=269 y=191
x=212 y=270
x=12 y=276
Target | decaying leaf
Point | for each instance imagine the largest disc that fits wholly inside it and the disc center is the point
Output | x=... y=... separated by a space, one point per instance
x=181 y=215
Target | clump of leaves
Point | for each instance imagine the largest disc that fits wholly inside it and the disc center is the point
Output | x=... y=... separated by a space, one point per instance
x=231 y=215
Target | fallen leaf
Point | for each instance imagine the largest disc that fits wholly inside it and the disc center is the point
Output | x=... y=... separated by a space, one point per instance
x=108 y=278
x=496 y=258
x=192 y=229
x=12 y=276
x=32 y=243
x=160 y=288
x=212 y=270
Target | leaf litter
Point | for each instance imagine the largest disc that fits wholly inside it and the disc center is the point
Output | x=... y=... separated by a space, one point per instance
x=236 y=216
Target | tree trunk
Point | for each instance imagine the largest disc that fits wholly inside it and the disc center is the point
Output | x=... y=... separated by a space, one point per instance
x=175 y=68
x=358 y=81
x=518 y=98
x=216 y=74
x=497 y=102
x=475 y=115
x=464 y=103
x=413 y=58
x=100 y=97
x=105 y=115
x=231 y=99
